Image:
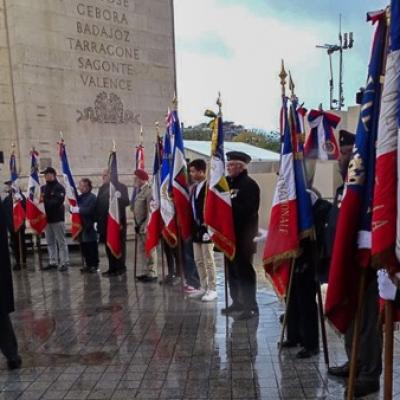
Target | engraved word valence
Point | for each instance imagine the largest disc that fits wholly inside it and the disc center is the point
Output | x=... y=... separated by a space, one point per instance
x=108 y=109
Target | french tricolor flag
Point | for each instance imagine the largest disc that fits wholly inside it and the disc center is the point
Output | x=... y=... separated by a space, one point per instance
x=35 y=213
x=282 y=240
x=18 y=208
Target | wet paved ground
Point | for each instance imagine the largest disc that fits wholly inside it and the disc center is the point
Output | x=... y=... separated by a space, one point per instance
x=87 y=337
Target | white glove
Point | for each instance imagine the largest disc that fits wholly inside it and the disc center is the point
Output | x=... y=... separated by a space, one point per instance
x=74 y=210
x=118 y=194
x=206 y=237
x=17 y=196
x=313 y=196
x=387 y=289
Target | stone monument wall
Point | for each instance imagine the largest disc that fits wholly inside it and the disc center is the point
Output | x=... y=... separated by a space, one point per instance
x=93 y=69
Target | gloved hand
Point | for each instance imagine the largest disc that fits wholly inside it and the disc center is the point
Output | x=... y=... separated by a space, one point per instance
x=387 y=289
x=118 y=194
x=74 y=210
x=206 y=237
x=137 y=229
x=17 y=196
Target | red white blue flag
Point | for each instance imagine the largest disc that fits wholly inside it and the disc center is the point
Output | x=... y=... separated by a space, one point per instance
x=321 y=143
x=71 y=192
x=218 y=214
x=35 y=212
x=385 y=218
x=352 y=245
x=167 y=207
x=155 y=224
x=18 y=207
x=114 y=240
x=282 y=242
x=180 y=184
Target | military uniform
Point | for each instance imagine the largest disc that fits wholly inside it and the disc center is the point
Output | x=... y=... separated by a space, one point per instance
x=245 y=198
x=141 y=212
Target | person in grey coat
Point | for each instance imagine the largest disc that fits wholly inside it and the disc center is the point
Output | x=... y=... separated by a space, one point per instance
x=88 y=236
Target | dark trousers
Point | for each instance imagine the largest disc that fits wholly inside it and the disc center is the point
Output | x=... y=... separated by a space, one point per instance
x=90 y=253
x=8 y=341
x=370 y=347
x=189 y=266
x=171 y=257
x=302 y=322
x=15 y=246
x=242 y=281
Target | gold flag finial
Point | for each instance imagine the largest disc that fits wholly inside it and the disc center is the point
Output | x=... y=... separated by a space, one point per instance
x=291 y=85
x=219 y=103
x=114 y=147
x=157 y=124
x=283 y=76
x=175 y=102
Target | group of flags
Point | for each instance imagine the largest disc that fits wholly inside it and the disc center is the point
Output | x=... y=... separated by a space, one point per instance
x=171 y=213
x=368 y=226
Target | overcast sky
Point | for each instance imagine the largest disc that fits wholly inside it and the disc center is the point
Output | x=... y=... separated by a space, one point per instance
x=235 y=46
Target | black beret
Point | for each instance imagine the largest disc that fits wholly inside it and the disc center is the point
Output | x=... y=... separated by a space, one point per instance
x=238 y=156
x=49 y=170
x=346 y=138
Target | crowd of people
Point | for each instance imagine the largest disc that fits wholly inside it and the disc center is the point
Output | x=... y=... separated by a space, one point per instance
x=196 y=256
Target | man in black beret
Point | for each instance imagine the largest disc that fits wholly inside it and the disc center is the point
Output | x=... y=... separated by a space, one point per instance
x=245 y=197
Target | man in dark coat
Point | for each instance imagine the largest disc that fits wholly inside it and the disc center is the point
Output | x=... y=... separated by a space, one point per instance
x=370 y=351
x=15 y=237
x=245 y=197
x=88 y=236
x=53 y=194
x=8 y=341
x=116 y=266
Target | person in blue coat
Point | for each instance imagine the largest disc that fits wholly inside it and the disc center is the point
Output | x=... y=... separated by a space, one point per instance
x=88 y=236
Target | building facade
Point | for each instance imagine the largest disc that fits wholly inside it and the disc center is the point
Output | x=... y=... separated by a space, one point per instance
x=94 y=69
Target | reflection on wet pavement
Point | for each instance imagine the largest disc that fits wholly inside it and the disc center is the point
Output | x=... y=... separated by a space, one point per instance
x=86 y=337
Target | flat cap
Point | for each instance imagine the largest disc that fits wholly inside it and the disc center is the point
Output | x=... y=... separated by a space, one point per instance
x=346 y=138
x=49 y=170
x=238 y=156
x=9 y=182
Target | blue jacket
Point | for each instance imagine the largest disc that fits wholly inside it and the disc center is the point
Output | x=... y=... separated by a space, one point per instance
x=87 y=210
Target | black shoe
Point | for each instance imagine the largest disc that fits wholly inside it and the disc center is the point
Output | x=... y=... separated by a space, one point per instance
x=49 y=267
x=84 y=270
x=141 y=277
x=246 y=315
x=231 y=309
x=342 y=371
x=364 y=388
x=120 y=271
x=149 y=279
x=287 y=344
x=92 y=270
x=109 y=273
x=307 y=353
x=14 y=363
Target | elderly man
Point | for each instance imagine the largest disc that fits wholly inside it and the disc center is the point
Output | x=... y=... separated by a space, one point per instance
x=141 y=209
x=245 y=197
x=53 y=194
x=116 y=266
x=15 y=237
x=88 y=236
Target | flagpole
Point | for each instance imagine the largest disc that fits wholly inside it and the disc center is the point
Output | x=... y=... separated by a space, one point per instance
x=157 y=124
x=180 y=249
